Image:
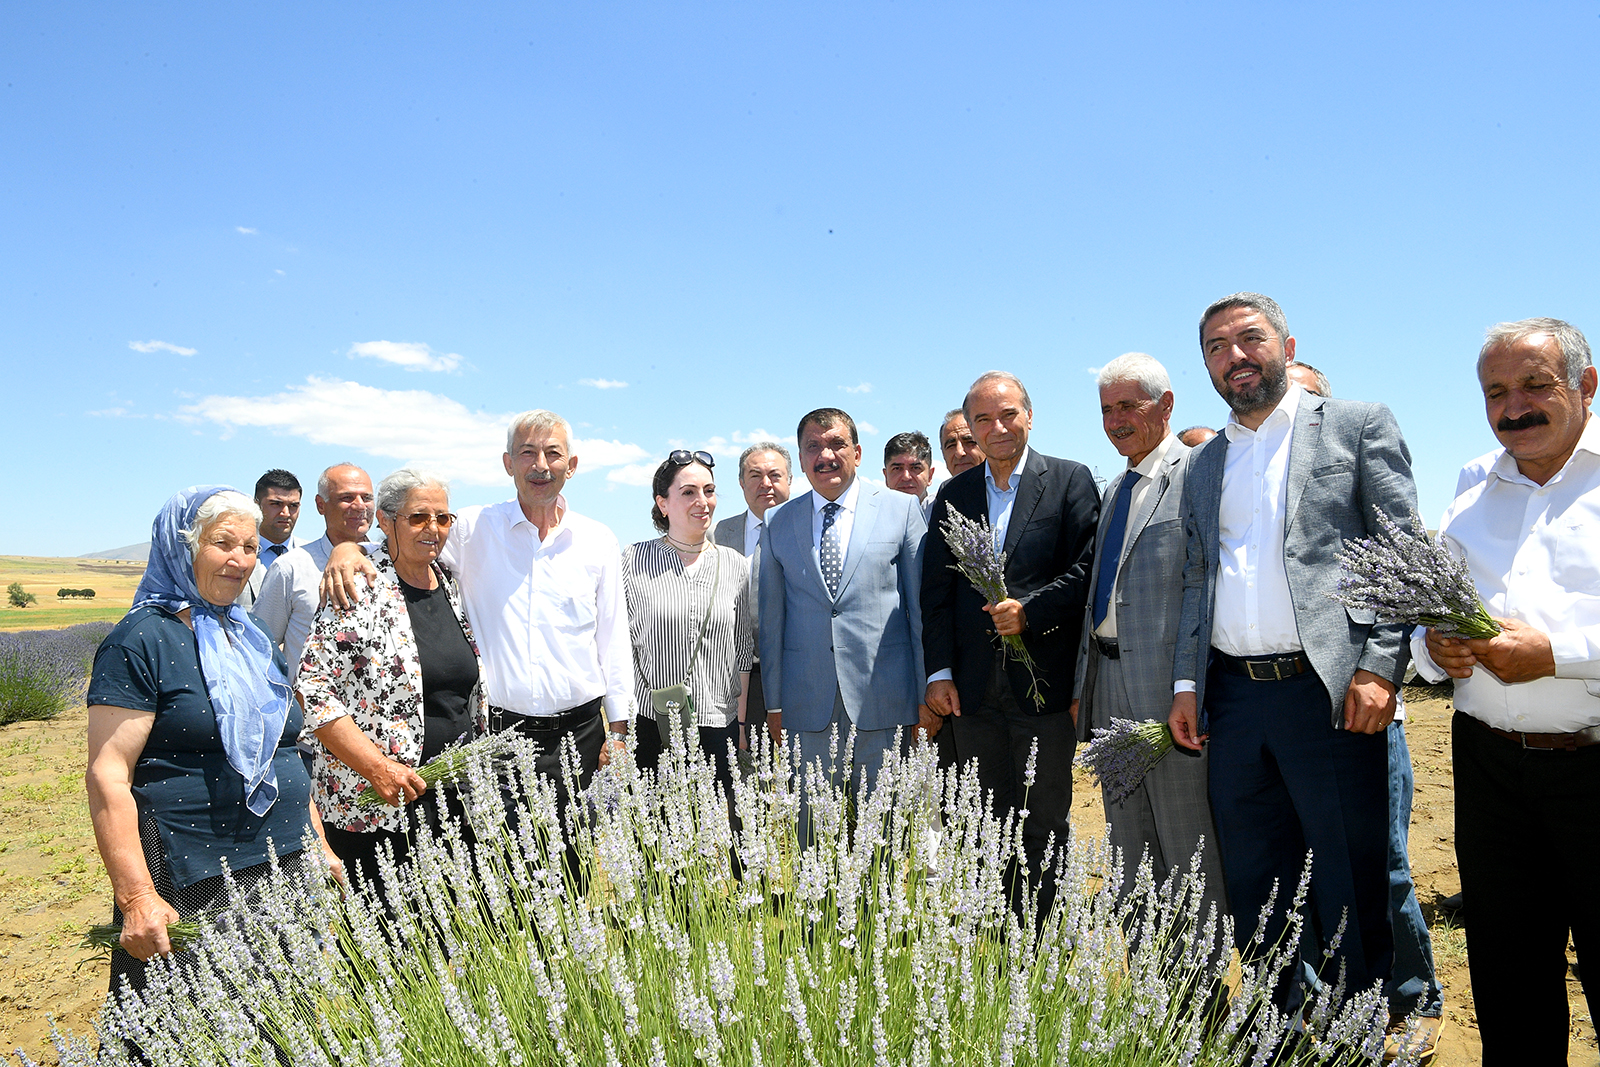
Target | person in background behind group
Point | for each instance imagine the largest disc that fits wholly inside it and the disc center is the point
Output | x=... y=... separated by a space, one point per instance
x=1526 y=732
x=1297 y=688
x=689 y=614
x=908 y=466
x=764 y=478
x=1195 y=436
x=278 y=497
x=841 y=621
x=1131 y=628
x=287 y=604
x=1310 y=379
x=390 y=682
x=1043 y=512
x=960 y=448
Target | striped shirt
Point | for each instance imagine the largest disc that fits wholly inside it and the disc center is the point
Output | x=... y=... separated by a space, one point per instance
x=666 y=606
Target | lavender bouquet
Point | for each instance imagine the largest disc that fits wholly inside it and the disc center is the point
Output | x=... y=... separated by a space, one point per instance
x=1411 y=578
x=1121 y=756
x=447 y=767
x=980 y=560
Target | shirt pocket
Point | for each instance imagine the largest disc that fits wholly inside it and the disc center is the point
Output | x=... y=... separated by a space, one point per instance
x=1575 y=556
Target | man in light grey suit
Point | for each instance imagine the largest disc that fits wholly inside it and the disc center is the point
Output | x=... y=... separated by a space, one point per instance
x=764 y=473
x=1131 y=626
x=841 y=618
x=1295 y=689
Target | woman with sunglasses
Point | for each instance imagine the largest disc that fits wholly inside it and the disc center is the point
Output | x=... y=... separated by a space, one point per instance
x=689 y=613
x=391 y=681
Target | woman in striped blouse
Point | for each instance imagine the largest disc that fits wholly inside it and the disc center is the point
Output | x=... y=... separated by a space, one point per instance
x=675 y=585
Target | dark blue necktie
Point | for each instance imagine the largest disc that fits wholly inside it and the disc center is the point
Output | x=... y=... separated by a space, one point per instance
x=1111 y=547
x=274 y=551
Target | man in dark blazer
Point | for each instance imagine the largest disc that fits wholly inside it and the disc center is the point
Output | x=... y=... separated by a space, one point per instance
x=1295 y=689
x=1131 y=627
x=1044 y=512
x=764 y=473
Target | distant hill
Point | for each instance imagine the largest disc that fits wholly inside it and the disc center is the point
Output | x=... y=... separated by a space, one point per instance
x=140 y=551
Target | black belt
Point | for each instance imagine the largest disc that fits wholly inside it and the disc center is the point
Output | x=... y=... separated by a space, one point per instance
x=1263 y=668
x=501 y=719
x=1108 y=649
x=1565 y=742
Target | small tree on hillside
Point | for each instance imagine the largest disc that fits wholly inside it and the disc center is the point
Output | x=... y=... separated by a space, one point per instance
x=19 y=597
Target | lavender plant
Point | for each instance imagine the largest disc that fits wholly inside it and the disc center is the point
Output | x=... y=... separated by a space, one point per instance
x=980 y=560
x=1408 y=577
x=878 y=944
x=447 y=767
x=1120 y=757
x=42 y=672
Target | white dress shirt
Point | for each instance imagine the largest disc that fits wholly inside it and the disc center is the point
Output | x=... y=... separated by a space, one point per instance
x=1254 y=613
x=752 y=532
x=287 y=603
x=550 y=616
x=1146 y=469
x=1002 y=498
x=1534 y=553
x=843 y=520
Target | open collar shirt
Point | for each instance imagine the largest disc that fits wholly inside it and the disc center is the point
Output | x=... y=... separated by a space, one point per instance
x=1254 y=613
x=1002 y=498
x=1534 y=553
x=550 y=616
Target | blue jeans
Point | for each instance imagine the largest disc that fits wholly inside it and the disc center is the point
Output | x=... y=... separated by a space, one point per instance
x=1412 y=986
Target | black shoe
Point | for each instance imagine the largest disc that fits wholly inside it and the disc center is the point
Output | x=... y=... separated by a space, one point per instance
x=1450 y=906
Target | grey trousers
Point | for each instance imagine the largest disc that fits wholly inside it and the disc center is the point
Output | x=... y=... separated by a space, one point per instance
x=866 y=758
x=1168 y=814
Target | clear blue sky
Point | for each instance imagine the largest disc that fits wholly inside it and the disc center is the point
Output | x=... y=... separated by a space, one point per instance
x=743 y=211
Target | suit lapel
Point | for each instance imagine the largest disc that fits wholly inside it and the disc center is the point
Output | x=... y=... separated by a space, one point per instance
x=1030 y=490
x=860 y=531
x=1303 y=449
x=807 y=549
x=1205 y=482
x=1152 y=499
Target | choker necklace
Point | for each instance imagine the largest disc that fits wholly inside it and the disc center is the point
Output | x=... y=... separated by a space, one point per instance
x=683 y=546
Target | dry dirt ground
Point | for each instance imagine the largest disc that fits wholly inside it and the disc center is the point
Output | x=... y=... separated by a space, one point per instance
x=52 y=886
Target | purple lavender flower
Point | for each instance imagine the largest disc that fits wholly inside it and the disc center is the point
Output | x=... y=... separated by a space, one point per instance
x=1121 y=756
x=1411 y=578
x=981 y=562
x=42 y=672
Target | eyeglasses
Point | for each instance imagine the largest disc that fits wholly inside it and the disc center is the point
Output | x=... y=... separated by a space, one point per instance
x=682 y=457
x=419 y=519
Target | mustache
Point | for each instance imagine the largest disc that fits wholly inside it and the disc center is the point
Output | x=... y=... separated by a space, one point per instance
x=1524 y=422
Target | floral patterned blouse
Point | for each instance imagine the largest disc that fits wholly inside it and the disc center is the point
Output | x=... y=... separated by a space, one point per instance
x=363 y=662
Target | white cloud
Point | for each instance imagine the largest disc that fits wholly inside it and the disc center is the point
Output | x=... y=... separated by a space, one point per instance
x=1094 y=372
x=866 y=427
x=633 y=474
x=602 y=383
x=405 y=425
x=161 y=346
x=249 y=231
x=275 y=270
x=412 y=355
x=864 y=387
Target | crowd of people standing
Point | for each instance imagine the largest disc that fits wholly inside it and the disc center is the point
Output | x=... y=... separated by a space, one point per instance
x=1190 y=589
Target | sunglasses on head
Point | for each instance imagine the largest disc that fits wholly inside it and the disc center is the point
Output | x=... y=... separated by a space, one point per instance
x=682 y=457
x=419 y=519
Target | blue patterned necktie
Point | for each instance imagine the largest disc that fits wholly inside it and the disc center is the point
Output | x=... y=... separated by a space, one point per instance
x=831 y=552
x=1111 y=547
x=274 y=551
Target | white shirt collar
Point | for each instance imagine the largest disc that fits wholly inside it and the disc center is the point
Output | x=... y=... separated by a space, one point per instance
x=1285 y=412
x=1505 y=466
x=1147 y=466
x=847 y=499
x=1016 y=473
x=520 y=517
x=752 y=521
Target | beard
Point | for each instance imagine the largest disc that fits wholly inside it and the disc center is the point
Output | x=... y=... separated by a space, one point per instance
x=1267 y=391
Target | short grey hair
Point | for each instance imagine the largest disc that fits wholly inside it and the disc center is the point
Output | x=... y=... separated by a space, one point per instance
x=537 y=419
x=1138 y=367
x=952 y=413
x=766 y=446
x=325 y=483
x=397 y=487
x=214 y=509
x=1324 y=387
x=1574 y=346
x=996 y=376
x=1255 y=302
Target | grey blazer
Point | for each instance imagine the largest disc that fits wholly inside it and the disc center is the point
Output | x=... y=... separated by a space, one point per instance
x=730 y=534
x=1148 y=592
x=1345 y=458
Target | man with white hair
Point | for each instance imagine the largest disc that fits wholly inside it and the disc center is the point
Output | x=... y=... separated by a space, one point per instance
x=542 y=586
x=1130 y=627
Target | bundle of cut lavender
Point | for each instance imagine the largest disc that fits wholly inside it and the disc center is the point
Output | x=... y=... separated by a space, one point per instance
x=106 y=937
x=1121 y=756
x=1411 y=578
x=980 y=560
x=447 y=767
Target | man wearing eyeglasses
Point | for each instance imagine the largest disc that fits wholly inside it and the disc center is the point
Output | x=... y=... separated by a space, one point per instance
x=841 y=621
x=287 y=603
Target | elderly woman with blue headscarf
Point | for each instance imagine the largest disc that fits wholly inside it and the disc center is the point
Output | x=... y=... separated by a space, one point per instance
x=192 y=761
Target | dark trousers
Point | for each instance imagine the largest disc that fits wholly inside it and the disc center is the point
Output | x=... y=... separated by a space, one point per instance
x=1283 y=781
x=648 y=747
x=587 y=727
x=359 y=850
x=755 y=709
x=1528 y=845
x=999 y=735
